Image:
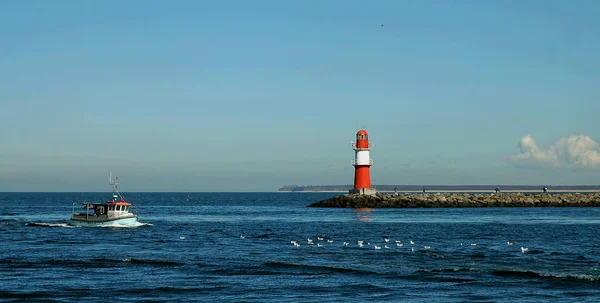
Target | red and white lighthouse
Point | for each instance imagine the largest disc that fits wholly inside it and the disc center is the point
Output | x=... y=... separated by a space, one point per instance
x=362 y=164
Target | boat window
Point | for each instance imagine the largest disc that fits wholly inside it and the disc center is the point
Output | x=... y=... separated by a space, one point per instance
x=118 y=207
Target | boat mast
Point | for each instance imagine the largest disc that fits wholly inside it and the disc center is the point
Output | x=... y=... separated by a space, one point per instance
x=114 y=182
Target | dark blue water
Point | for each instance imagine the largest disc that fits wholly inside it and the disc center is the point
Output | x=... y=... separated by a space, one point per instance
x=235 y=247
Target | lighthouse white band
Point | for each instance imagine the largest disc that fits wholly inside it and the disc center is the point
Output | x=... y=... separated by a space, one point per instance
x=362 y=157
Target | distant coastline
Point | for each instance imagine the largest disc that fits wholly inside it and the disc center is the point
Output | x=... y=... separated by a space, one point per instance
x=444 y=188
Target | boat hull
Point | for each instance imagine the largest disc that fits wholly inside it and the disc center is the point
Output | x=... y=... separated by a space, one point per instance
x=100 y=222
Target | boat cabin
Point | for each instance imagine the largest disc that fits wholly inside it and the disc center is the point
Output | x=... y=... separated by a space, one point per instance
x=118 y=207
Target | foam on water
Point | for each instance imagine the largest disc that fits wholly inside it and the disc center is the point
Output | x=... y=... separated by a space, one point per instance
x=44 y=224
x=113 y=225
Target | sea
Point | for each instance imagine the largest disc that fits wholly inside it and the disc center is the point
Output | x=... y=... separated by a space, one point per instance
x=239 y=247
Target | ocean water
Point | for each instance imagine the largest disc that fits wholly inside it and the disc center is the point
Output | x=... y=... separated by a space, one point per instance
x=236 y=247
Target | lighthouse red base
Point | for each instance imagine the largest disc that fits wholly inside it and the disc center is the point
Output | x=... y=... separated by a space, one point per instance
x=362 y=176
x=362 y=181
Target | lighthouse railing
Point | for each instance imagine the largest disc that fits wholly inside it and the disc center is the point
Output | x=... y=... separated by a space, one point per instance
x=356 y=148
x=355 y=162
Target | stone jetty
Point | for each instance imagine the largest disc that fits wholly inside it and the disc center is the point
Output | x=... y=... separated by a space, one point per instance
x=439 y=200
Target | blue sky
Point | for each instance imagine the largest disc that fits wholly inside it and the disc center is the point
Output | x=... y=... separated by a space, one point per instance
x=254 y=95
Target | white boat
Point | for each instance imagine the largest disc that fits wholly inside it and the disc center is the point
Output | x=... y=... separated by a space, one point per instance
x=116 y=212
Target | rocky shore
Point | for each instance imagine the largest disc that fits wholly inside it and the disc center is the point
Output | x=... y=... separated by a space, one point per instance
x=439 y=200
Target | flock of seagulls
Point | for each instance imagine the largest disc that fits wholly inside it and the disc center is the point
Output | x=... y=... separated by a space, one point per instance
x=359 y=243
x=386 y=244
x=377 y=246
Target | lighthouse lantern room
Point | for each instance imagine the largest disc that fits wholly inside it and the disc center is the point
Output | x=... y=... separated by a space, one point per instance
x=362 y=164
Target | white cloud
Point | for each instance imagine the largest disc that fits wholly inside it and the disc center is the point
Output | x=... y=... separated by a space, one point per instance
x=577 y=151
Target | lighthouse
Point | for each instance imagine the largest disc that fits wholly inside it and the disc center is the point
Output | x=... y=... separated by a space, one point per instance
x=362 y=164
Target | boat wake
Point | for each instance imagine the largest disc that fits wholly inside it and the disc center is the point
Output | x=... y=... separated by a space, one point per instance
x=44 y=224
x=54 y=224
x=138 y=224
x=117 y=225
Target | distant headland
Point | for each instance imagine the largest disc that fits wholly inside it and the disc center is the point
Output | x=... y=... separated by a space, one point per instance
x=445 y=188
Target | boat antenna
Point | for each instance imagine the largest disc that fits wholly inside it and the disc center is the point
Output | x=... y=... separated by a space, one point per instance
x=115 y=183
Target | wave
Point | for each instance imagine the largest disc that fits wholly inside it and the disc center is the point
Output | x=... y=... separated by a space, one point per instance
x=45 y=296
x=263 y=236
x=244 y=271
x=153 y=262
x=443 y=275
x=173 y=290
x=92 y=263
x=515 y=274
x=536 y=275
x=318 y=269
x=447 y=270
x=12 y=222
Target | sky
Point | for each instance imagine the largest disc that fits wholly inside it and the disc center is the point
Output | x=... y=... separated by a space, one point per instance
x=254 y=95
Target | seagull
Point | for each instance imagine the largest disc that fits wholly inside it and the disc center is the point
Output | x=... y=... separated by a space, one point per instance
x=524 y=249
x=386 y=240
x=411 y=242
x=399 y=244
x=242 y=237
x=427 y=247
x=319 y=245
x=346 y=243
x=509 y=243
x=181 y=238
x=473 y=244
x=385 y=246
x=329 y=241
x=377 y=246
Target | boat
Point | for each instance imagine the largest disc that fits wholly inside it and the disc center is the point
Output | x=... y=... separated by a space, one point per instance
x=115 y=213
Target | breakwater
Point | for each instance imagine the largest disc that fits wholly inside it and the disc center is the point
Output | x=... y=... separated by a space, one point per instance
x=440 y=200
